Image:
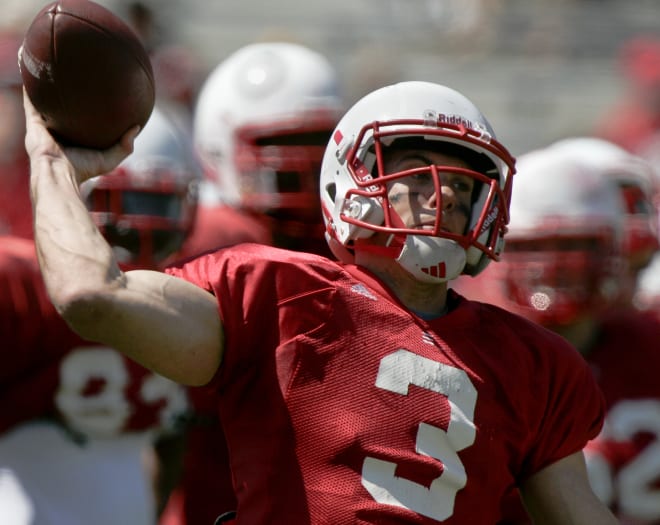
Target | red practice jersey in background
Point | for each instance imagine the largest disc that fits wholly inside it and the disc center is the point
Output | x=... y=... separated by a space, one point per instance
x=624 y=460
x=48 y=371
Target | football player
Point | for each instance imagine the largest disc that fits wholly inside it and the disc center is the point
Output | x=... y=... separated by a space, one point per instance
x=79 y=419
x=262 y=120
x=635 y=179
x=359 y=390
x=570 y=238
x=261 y=123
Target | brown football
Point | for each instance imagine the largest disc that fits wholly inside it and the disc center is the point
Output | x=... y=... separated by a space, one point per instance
x=87 y=73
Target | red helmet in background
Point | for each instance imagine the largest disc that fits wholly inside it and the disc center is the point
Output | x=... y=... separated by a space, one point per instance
x=145 y=208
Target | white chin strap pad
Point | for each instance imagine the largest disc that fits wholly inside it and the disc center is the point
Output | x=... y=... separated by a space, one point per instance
x=432 y=259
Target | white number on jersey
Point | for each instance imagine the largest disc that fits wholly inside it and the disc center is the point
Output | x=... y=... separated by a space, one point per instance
x=636 y=484
x=397 y=372
x=106 y=410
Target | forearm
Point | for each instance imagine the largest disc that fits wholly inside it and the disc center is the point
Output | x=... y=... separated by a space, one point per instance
x=75 y=259
x=142 y=314
x=166 y=324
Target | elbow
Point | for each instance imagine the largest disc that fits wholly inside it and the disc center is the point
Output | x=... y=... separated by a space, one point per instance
x=83 y=312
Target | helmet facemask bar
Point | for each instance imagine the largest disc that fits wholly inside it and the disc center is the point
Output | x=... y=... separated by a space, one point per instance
x=145 y=215
x=487 y=223
x=556 y=279
x=278 y=165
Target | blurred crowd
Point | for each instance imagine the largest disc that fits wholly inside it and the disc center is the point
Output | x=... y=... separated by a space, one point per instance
x=232 y=154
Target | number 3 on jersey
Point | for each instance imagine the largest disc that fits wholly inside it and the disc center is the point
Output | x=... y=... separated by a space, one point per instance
x=397 y=372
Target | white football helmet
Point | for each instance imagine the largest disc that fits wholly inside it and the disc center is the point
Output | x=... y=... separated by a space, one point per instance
x=146 y=207
x=564 y=246
x=354 y=185
x=261 y=123
x=635 y=178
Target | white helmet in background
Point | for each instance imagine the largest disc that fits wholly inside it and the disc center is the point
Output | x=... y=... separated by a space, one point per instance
x=261 y=123
x=146 y=207
x=635 y=179
x=564 y=246
x=354 y=185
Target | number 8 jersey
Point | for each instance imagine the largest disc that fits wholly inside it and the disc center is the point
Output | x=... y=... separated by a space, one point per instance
x=341 y=407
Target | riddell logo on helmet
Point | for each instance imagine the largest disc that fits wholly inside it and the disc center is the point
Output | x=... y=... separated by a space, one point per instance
x=455 y=120
x=490 y=218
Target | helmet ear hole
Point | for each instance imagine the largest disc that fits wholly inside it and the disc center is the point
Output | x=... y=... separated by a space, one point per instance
x=331 y=190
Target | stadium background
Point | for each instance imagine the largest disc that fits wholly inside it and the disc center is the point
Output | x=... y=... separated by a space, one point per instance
x=539 y=69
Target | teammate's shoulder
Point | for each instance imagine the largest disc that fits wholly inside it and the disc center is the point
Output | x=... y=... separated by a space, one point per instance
x=501 y=321
x=632 y=324
x=257 y=255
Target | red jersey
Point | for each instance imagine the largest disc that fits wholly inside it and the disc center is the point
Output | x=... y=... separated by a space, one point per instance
x=219 y=226
x=205 y=489
x=49 y=371
x=624 y=460
x=340 y=406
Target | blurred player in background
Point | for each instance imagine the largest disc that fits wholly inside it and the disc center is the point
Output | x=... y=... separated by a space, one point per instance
x=262 y=121
x=15 y=214
x=648 y=286
x=636 y=180
x=636 y=117
x=634 y=124
x=570 y=237
x=79 y=420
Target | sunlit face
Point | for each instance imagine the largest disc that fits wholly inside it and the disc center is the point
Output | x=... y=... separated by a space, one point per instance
x=414 y=198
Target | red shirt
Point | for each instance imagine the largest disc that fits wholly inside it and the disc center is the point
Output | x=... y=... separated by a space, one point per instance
x=219 y=226
x=624 y=460
x=340 y=407
x=15 y=205
x=49 y=371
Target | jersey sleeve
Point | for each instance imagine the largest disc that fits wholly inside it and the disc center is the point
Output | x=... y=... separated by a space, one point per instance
x=574 y=407
x=254 y=286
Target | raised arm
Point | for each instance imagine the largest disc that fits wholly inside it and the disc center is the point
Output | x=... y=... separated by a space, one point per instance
x=560 y=494
x=164 y=323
